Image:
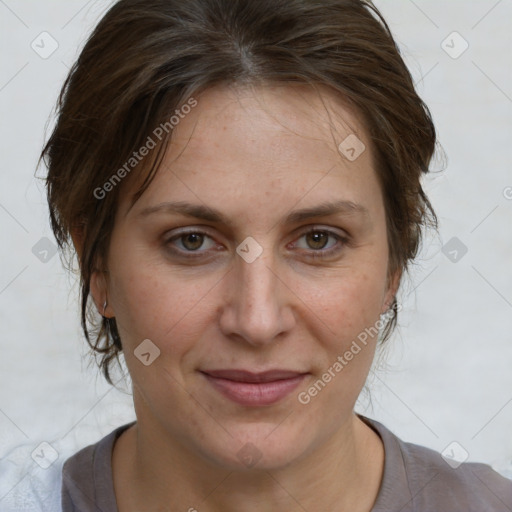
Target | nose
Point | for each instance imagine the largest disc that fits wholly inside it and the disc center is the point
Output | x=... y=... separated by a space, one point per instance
x=259 y=306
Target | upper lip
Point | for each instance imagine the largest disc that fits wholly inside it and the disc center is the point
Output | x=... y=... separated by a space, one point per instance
x=247 y=376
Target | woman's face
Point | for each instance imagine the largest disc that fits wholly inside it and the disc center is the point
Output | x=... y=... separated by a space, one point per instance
x=260 y=246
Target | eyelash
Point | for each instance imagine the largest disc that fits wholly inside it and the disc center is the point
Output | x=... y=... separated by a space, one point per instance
x=313 y=254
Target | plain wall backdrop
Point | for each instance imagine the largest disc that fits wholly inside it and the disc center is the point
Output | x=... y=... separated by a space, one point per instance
x=448 y=375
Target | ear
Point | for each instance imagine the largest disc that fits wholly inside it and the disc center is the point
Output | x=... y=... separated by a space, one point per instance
x=98 y=283
x=392 y=289
x=99 y=293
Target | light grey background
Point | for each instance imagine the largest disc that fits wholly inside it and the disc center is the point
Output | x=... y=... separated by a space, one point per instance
x=449 y=372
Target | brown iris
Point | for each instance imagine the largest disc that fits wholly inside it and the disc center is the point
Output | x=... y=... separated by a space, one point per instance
x=192 y=241
x=317 y=239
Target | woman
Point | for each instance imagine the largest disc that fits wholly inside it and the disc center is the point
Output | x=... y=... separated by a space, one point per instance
x=241 y=182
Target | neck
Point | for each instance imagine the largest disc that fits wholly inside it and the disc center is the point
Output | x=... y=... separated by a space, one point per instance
x=344 y=473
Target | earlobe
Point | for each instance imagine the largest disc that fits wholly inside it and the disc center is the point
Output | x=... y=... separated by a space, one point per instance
x=393 y=285
x=98 y=284
x=99 y=293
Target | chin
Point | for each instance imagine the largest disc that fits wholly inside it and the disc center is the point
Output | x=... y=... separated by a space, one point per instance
x=255 y=448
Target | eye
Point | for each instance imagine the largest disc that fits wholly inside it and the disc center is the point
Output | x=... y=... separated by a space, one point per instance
x=191 y=241
x=315 y=243
x=321 y=243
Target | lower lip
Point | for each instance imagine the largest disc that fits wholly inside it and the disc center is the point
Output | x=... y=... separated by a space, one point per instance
x=255 y=393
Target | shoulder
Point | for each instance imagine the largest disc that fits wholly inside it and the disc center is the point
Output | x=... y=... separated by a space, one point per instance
x=419 y=479
x=87 y=480
x=467 y=486
x=85 y=461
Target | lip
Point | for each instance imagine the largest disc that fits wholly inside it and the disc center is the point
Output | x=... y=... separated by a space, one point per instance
x=254 y=389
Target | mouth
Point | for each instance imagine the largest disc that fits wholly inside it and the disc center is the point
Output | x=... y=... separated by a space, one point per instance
x=254 y=389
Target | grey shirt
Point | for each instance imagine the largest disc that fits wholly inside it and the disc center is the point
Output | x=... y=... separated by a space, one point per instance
x=416 y=479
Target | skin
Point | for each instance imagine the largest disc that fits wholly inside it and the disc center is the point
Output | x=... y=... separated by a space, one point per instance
x=255 y=155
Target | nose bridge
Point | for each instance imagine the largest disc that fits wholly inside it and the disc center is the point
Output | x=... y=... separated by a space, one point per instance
x=258 y=308
x=257 y=283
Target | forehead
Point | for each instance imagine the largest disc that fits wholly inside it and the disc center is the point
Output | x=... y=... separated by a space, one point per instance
x=298 y=109
x=274 y=118
x=268 y=139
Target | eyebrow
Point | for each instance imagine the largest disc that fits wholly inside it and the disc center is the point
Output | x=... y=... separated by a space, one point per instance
x=347 y=208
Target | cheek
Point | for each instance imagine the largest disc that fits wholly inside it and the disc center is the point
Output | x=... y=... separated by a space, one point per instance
x=346 y=309
x=348 y=312
x=153 y=302
x=345 y=303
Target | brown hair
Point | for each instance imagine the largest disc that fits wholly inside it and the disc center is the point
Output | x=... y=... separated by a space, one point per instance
x=147 y=57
